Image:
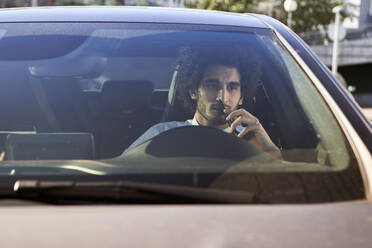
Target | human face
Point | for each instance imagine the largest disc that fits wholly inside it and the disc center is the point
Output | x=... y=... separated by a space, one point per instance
x=218 y=82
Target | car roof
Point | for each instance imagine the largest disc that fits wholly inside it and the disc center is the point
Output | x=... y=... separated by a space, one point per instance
x=128 y=14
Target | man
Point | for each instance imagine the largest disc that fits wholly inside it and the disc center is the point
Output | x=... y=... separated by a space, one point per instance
x=202 y=85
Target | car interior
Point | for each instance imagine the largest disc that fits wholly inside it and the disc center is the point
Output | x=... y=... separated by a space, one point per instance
x=122 y=110
x=116 y=97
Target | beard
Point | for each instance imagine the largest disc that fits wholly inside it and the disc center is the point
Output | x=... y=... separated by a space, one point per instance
x=213 y=116
x=217 y=120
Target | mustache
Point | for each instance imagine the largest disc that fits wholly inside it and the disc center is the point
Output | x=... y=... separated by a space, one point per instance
x=221 y=105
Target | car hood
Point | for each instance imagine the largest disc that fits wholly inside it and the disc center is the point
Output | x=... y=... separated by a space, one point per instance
x=318 y=225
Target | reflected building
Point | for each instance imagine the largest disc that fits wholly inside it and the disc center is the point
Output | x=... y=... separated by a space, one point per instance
x=355 y=50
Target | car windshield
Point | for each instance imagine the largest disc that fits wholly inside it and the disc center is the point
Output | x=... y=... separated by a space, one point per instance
x=148 y=102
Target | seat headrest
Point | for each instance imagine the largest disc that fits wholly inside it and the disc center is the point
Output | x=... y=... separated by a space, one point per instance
x=175 y=109
x=126 y=93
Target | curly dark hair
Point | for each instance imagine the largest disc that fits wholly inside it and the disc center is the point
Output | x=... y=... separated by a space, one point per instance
x=193 y=62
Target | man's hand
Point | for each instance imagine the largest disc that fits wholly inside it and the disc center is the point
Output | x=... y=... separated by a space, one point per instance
x=251 y=124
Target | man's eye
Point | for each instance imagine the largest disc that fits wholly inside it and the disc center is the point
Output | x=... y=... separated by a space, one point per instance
x=211 y=86
x=233 y=86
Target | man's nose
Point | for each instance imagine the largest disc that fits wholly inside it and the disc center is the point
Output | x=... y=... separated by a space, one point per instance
x=219 y=94
x=222 y=94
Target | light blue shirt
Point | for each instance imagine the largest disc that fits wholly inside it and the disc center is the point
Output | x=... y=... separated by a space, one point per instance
x=165 y=126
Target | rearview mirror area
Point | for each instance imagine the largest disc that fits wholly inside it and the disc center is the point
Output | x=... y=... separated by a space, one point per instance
x=81 y=67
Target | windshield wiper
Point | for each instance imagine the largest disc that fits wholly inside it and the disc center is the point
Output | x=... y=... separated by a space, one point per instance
x=126 y=191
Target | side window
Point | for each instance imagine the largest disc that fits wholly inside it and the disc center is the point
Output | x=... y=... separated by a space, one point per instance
x=331 y=148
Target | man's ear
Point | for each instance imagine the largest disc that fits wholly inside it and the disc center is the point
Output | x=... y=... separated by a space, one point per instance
x=193 y=94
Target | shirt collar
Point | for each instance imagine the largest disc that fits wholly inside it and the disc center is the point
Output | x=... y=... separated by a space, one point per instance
x=194 y=122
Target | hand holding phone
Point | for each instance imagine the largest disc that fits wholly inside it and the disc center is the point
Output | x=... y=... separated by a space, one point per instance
x=222 y=107
x=248 y=136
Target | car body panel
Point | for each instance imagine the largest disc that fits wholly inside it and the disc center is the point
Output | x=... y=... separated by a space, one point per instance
x=127 y=14
x=368 y=113
x=323 y=225
x=345 y=224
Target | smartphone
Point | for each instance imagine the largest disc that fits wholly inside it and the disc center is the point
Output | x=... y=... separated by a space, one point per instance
x=222 y=107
